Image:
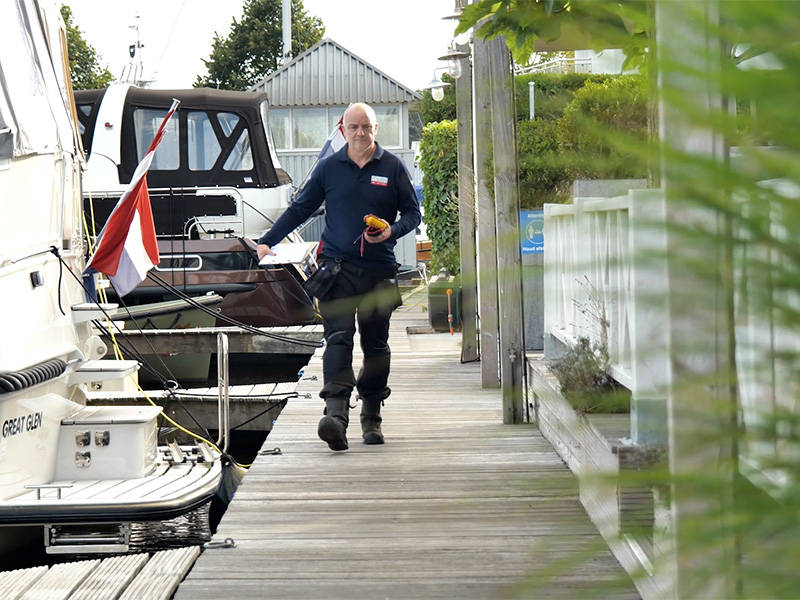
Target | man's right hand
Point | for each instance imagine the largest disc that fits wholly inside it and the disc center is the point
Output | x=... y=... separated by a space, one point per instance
x=263 y=250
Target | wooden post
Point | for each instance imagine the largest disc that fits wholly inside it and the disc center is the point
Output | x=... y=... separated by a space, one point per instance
x=486 y=241
x=466 y=214
x=509 y=256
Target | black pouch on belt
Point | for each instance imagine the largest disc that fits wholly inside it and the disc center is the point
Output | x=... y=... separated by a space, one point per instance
x=320 y=283
x=389 y=293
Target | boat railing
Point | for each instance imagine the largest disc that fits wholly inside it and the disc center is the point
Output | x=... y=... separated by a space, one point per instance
x=223 y=393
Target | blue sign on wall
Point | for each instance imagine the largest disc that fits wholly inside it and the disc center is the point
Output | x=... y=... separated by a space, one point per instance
x=532 y=231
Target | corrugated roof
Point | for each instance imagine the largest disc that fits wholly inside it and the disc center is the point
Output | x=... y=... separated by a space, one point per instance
x=328 y=74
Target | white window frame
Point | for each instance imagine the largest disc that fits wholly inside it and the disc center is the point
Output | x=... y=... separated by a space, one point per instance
x=197 y=267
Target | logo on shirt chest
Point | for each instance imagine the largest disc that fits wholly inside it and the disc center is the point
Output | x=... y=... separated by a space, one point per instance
x=379 y=180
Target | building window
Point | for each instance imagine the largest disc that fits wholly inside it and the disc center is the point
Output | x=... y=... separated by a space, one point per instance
x=304 y=128
x=388 y=126
x=334 y=114
x=279 y=127
x=309 y=127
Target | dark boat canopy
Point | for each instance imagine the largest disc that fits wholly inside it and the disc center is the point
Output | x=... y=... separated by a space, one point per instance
x=218 y=139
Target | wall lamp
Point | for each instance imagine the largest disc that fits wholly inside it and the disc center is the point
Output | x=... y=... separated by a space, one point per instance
x=465 y=36
x=436 y=85
x=453 y=58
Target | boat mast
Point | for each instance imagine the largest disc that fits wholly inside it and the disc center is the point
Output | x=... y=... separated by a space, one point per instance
x=286 y=30
x=133 y=72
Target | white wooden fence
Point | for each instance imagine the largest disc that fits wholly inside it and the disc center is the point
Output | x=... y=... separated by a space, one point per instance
x=766 y=303
x=605 y=260
x=592 y=249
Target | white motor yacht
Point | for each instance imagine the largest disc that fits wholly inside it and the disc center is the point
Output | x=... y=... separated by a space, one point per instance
x=82 y=473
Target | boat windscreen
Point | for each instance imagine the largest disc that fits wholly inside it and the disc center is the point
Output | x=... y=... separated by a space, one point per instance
x=270 y=142
x=220 y=139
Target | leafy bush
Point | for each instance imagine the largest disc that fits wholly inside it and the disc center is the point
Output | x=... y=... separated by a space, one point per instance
x=585 y=126
x=604 y=129
x=553 y=92
x=583 y=376
x=439 y=162
x=543 y=175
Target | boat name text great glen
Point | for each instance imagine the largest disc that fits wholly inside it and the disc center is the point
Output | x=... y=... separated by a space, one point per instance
x=23 y=423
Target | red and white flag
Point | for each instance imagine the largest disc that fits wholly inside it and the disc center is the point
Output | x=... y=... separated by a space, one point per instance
x=126 y=247
x=335 y=141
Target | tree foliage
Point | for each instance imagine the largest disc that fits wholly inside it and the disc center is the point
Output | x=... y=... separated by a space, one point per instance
x=84 y=61
x=254 y=45
x=603 y=23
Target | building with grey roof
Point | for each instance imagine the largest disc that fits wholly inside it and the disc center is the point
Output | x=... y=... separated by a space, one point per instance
x=308 y=95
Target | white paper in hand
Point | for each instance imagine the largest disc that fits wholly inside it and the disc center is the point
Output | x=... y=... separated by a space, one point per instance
x=289 y=253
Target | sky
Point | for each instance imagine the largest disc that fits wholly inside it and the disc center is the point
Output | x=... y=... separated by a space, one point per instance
x=402 y=38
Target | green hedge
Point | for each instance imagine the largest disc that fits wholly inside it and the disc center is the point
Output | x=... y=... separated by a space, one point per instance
x=553 y=92
x=602 y=131
x=439 y=162
x=586 y=126
x=543 y=173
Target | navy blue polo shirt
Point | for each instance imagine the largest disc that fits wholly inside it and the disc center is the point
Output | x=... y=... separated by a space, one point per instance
x=383 y=188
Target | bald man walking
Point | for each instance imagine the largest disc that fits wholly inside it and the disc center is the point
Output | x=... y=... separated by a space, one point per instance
x=360 y=179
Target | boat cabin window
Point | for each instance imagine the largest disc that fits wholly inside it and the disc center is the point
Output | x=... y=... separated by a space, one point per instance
x=86 y=123
x=204 y=148
x=85 y=110
x=180 y=262
x=145 y=123
x=209 y=136
x=241 y=157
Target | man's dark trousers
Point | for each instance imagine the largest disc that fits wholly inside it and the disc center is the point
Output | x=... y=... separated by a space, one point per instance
x=365 y=296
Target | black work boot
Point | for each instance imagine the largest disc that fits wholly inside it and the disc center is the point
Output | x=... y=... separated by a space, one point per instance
x=371 y=421
x=332 y=427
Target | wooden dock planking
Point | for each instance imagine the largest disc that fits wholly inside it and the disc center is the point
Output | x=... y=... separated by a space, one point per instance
x=160 y=576
x=13 y=584
x=60 y=580
x=454 y=505
x=127 y=577
x=110 y=578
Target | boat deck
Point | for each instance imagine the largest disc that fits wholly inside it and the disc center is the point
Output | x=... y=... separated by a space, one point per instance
x=454 y=505
x=161 y=494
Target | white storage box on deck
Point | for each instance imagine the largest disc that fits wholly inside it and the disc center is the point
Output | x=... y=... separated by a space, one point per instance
x=108 y=442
